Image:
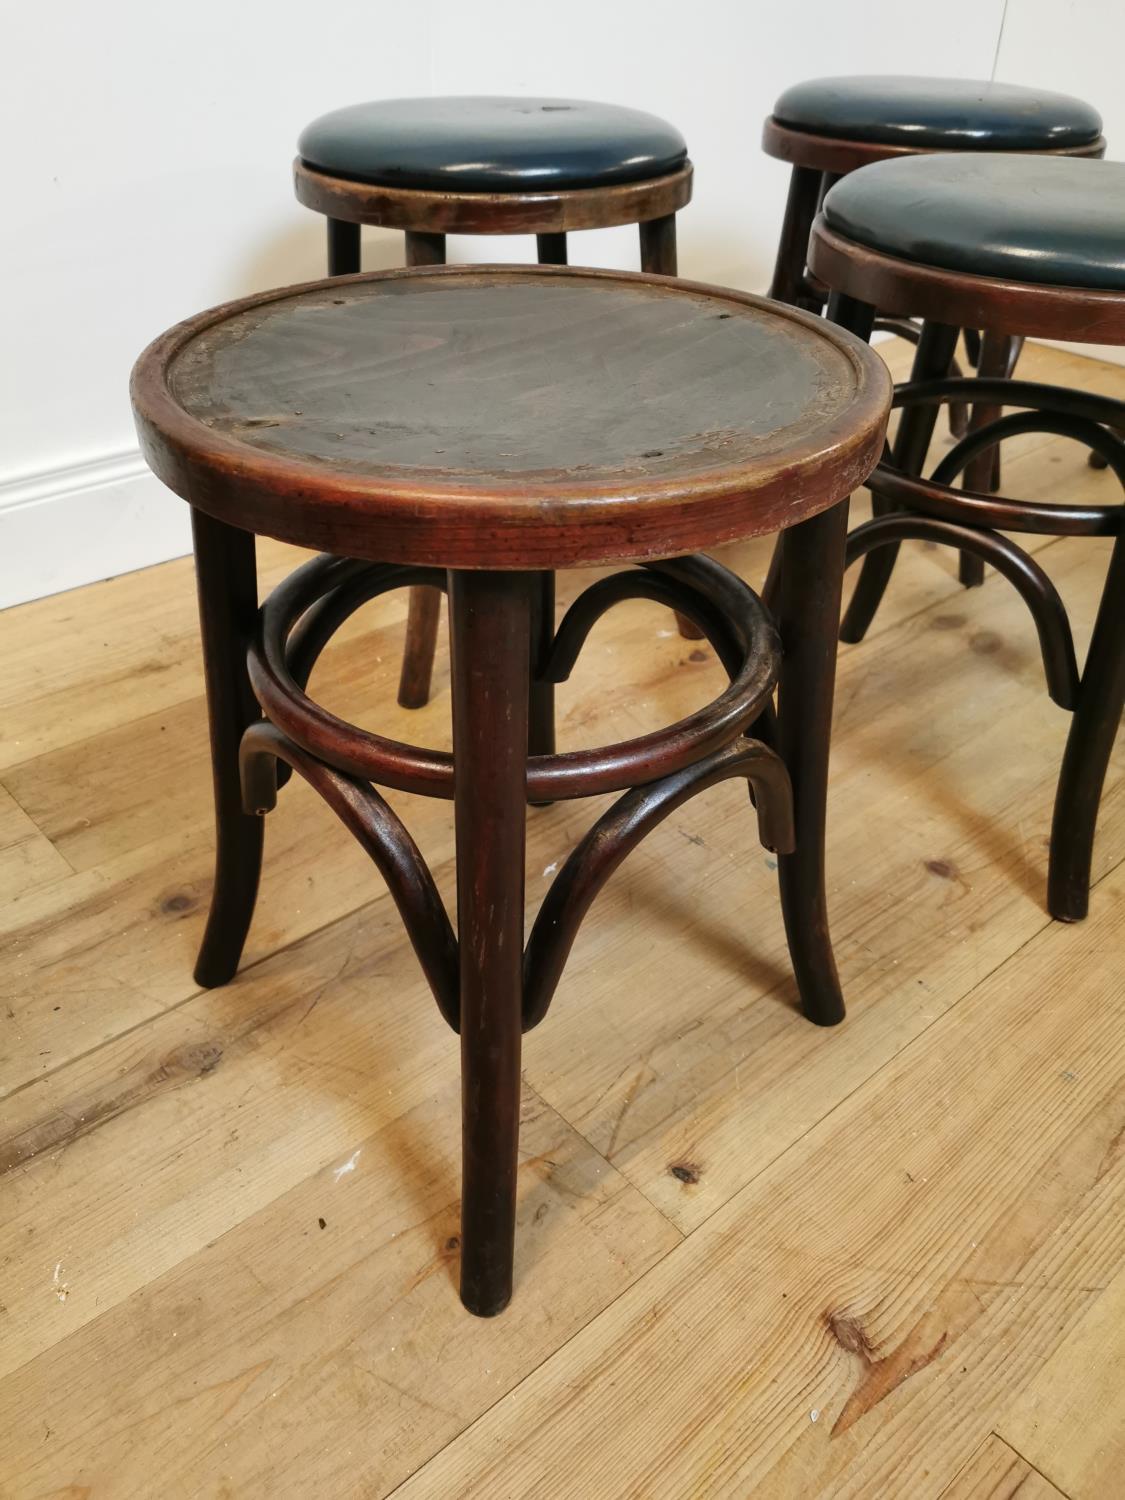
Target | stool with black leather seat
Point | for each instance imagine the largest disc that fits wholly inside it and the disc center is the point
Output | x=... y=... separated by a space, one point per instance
x=1034 y=245
x=489 y=165
x=827 y=127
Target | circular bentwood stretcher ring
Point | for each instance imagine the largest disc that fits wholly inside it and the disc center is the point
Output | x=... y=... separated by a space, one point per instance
x=474 y=430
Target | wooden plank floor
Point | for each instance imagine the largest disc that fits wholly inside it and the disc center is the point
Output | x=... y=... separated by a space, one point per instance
x=755 y=1258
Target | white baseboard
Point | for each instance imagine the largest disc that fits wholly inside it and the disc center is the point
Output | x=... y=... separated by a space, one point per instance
x=83 y=522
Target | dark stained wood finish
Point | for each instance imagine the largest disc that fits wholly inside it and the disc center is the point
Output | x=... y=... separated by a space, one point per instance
x=423 y=618
x=228 y=615
x=490 y=631
x=426 y=216
x=541 y=712
x=491 y=213
x=765 y=417
x=997 y=358
x=658 y=257
x=827 y=153
x=663 y=420
x=1093 y=730
x=424 y=249
x=550 y=249
x=808 y=616
x=658 y=246
x=424 y=609
x=932 y=358
x=343 y=248
x=908 y=289
x=975 y=520
x=801 y=206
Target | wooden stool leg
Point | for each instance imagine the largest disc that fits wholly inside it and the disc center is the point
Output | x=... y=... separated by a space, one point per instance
x=995 y=361
x=1093 y=729
x=551 y=249
x=936 y=345
x=424 y=610
x=541 y=719
x=800 y=210
x=658 y=245
x=228 y=607
x=658 y=256
x=343 y=248
x=807 y=610
x=490 y=620
x=422 y=618
x=424 y=249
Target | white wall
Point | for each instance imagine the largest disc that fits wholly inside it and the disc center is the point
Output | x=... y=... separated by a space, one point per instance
x=1075 y=47
x=148 y=152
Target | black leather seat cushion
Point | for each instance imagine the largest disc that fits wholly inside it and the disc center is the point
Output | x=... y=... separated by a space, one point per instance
x=1055 y=219
x=490 y=145
x=951 y=113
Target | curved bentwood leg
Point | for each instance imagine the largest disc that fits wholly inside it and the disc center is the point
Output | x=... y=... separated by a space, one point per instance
x=1093 y=729
x=807 y=610
x=504 y=649
x=228 y=606
x=490 y=633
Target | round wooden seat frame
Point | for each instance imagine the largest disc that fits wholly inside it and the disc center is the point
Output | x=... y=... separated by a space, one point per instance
x=427 y=216
x=909 y=507
x=487 y=549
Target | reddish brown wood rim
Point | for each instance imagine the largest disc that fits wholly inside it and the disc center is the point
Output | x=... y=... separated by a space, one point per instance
x=523 y=526
x=906 y=288
x=830 y=153
x=433 y=211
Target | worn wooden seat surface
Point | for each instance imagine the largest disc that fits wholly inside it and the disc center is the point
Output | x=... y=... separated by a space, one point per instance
x=509 y=417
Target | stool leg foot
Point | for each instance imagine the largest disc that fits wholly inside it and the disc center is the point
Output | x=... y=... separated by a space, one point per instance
x=1099 y=460
x=490 y=618
x=228 y=604
x=1093 y=729
x=421 y=645
x=808 y=613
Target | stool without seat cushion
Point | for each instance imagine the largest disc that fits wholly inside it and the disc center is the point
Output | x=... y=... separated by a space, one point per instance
x=499 y=165
x=1008 y=244
x=469 y=429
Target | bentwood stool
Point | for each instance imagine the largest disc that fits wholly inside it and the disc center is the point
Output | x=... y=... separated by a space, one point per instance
x=580 y=417
x=827 y=127
x=471 y=165
x=1034 y=244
